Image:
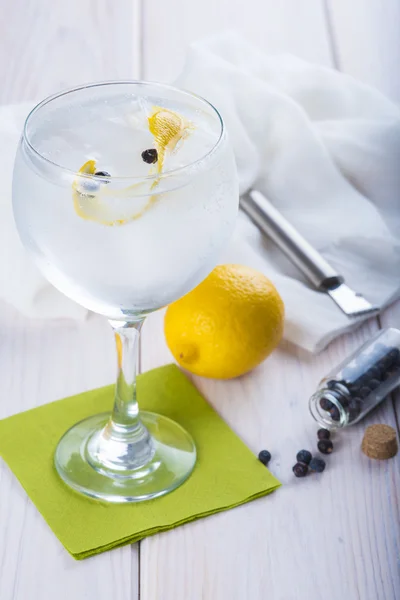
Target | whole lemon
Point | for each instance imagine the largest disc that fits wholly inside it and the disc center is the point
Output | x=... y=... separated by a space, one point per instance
x=227 y=325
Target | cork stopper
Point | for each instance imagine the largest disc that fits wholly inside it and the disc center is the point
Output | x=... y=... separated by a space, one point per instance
x=379 y=442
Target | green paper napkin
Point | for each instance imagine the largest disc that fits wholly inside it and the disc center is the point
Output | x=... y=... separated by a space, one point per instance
x=227 y=472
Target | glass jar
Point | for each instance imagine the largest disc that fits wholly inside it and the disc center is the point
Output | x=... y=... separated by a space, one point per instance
x=359 y=383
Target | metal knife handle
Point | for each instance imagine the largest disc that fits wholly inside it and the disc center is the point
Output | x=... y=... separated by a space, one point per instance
x=297 y=249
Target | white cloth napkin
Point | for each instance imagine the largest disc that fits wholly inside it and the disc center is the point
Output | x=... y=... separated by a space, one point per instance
x=324 y=148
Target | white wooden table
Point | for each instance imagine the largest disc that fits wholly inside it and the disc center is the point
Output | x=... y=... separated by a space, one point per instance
x=334 y=537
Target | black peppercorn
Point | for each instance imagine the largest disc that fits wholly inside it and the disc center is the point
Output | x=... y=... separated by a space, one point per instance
x=323 y=434
x=335 y=414
x=326 y=404
x=394 y=355
x=300 y=469
x=102 y=174
x=304 y=456
x=150 y=156
x=325 y=446
x=364 y=391
x=373 y=384
x=354 y=408
x=264 y=456
x=317 y=465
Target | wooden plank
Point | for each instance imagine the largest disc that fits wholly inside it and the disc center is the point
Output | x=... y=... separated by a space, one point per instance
x=287 y=545
x=285 y=26
x=391 y=318
x=367 y=42
x=46 y=46
x=41 y=362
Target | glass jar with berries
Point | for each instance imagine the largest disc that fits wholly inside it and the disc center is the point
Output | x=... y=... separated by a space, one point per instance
x=359 y=383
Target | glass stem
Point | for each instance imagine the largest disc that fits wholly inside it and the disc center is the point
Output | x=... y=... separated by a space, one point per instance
x=125 y=415
x=124 y=444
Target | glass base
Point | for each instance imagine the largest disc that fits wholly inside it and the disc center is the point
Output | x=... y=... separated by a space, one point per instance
x=171 y=464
